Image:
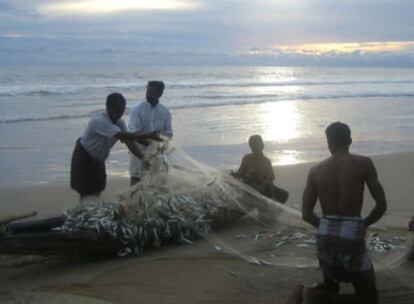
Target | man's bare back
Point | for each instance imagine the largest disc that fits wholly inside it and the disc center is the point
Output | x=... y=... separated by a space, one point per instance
x=339 y=181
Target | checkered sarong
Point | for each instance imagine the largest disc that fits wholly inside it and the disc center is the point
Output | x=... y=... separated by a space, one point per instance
x=341 y=247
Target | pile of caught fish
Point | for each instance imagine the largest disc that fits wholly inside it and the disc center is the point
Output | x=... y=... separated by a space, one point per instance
x=177 y=204
x=103 y=219
x=373 y=240
x=165 y=206
x=375 y=243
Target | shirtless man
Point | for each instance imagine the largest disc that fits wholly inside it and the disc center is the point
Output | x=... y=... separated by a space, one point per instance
x=338 y=182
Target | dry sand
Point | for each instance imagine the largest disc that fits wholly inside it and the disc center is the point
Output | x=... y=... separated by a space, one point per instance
x=198 y=273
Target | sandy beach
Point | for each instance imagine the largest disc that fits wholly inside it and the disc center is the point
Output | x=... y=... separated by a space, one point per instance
x=199 y=273
x=219 y=79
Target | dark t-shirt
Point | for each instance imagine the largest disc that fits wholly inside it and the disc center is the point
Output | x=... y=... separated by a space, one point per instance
x=256 y=169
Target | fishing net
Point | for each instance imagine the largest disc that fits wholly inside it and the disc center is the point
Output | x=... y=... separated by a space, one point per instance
x=180 y=200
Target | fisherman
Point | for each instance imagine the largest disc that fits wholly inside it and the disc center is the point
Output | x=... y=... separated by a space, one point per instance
x=148 y=116
x=257 y=172
x=338 y=182
x=88 y=174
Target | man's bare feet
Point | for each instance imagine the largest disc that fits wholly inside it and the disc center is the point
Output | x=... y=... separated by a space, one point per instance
x=296 y=295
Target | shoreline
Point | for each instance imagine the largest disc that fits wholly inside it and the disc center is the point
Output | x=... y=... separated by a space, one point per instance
x=394 y=171
x=292 y=131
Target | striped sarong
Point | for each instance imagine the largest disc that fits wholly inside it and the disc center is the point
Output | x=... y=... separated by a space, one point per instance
x=342 y=250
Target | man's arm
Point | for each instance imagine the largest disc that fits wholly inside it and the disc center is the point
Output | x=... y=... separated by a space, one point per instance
x=108 y=129
x=377 y=193
x=310 y=197
x=270 y=174
x=132 y=136
x=242 y=170
x=133 y=147
x=168 y=127
x=269 y=178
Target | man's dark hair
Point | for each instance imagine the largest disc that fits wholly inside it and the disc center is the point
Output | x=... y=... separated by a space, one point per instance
x=255 y=139
x=115 y=99
x=338 y=134
x=157 y=84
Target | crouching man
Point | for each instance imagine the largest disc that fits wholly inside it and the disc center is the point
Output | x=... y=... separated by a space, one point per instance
x=338 y=182
x=88 y=173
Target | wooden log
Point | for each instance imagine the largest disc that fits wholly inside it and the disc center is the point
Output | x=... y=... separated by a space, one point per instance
x=31 y=237
x=14 y=218
x=80 y=243
x=41 y=225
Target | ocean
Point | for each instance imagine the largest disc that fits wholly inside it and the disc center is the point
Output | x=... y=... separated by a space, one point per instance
x=43 y=110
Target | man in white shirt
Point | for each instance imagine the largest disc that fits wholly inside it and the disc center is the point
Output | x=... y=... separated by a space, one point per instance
x=145 y=117
x=88 y=173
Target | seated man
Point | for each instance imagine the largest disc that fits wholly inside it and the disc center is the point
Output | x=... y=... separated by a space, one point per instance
x=411 y=224
x=257 y=172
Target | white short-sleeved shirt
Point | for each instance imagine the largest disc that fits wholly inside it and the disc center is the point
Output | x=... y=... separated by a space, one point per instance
x=146 y=118
x=98 y=138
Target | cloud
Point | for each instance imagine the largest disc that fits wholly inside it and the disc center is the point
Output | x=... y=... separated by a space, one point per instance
x=124 y=50
x=241 y=31
x=342 y=48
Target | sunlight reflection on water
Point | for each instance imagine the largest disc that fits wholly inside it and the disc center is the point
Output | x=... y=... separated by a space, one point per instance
x=281 y=121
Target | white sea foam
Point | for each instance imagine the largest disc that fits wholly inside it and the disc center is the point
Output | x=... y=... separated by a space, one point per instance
x=23 y=89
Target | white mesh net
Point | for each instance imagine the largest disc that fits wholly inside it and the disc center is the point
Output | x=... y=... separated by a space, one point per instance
x=181 y=200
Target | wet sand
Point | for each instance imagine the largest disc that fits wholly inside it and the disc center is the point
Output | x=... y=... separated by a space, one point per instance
x=199 y=273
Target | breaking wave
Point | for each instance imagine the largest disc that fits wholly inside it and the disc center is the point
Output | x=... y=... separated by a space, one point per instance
x=283 y=97
x=56 y=90
x=217 y=100
x=50 y=118
x=63 y=89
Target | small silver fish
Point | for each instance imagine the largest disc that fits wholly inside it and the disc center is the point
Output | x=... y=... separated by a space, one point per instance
x=279 y=244
x=241 y=236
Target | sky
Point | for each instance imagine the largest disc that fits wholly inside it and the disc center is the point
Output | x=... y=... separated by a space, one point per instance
x=208 y=32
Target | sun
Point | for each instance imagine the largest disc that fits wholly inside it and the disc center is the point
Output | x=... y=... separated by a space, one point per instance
x=111 y=6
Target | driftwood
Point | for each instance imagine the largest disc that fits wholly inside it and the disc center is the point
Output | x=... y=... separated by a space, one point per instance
x=35 y=237
x=80 y=243
x=14 y=218
x=40 y=225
